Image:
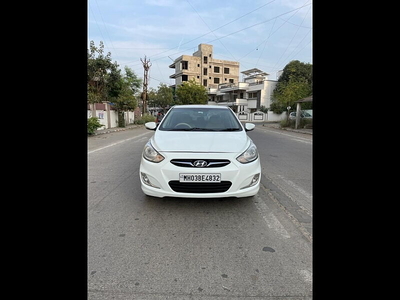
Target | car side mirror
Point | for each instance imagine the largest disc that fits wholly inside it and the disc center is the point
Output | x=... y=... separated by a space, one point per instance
x=150 y=125
x=249 y=126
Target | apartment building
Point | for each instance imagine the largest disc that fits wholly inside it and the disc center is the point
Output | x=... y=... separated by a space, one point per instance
x=204 y=68
x=249 y=95
x=221 y=78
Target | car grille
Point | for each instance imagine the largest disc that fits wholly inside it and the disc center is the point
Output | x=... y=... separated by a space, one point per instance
x=199 y=187
x=211 y=163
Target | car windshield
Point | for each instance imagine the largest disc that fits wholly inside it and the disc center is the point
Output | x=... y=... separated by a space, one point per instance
x=200 y=119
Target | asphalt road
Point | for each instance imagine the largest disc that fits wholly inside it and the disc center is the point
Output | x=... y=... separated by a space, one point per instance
x=249 y=248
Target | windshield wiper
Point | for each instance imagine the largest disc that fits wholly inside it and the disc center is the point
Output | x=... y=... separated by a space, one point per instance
x=200 y=129
x=230 y=129
x=190 y=129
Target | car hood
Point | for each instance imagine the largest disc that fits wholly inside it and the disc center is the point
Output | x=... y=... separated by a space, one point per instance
x=195 y=141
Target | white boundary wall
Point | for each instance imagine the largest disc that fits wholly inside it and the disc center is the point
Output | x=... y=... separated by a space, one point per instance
x=103 y=118
x=261 y=117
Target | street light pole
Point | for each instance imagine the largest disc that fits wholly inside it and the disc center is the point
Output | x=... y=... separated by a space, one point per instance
x=146 y=66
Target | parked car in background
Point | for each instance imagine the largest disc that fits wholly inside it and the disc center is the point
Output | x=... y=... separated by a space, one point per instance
x=200 y=151
x=303 y=114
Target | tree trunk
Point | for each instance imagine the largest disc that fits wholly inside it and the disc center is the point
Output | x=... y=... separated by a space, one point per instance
x=121 y=119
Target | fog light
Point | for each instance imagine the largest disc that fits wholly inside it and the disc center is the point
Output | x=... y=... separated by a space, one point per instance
x=146 y=180
x=255 y=179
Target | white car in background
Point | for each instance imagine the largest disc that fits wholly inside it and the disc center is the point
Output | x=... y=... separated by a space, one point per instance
x=303 y=115
x=200 y=151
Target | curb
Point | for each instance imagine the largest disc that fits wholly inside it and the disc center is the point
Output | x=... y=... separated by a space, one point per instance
x=288 y=129
x=115 y=129
x=297 y=130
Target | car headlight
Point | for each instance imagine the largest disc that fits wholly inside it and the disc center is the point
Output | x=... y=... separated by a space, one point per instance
x=151 y=154
x=249 y=155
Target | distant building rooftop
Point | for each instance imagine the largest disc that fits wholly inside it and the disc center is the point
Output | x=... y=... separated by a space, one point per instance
x=253 y=72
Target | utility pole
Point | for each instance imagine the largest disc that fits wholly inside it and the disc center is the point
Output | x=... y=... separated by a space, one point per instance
x=146 y=65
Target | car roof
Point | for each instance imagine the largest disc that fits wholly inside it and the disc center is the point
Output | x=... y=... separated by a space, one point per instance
x=200 y=106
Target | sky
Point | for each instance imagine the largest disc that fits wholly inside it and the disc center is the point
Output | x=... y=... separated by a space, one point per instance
x=263 y=34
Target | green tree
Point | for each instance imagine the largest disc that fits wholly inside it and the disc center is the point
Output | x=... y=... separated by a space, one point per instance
x=122 y=90
x=97 y=72
x=106 y=83
x=133 y=81
x=289 y=92
x=294 y=84
x=151 y=97
x=296 y=70
x=190 y=92
x=164 y=96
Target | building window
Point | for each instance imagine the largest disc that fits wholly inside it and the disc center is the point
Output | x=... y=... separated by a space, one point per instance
x=216 y=69
x=226 y=70
x=216 y=80
x=205 y=71
x=231 y=80
x=184 y=65
x=198 y=65
x=205 y=59
x=252 y=95
x=205 y=82
x=184 y=78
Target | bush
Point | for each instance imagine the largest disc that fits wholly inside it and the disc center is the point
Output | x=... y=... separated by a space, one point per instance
x=286 y=123
x=277 y=107
x=304 y=123
x=144 y=119
x=93 y=124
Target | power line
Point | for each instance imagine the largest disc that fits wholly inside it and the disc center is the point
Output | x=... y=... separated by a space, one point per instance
x=212 y=31
x=292 y=38
x=259 y=23
x=159 y=56
x=300 y=49
x=101 y=33
x=296 y=9
x=182 y=51
x=104 y=25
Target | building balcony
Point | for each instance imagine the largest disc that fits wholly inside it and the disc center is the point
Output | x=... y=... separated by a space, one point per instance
x=229 y=87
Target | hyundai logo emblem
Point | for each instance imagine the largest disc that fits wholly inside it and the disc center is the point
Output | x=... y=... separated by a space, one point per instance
x=200 y=163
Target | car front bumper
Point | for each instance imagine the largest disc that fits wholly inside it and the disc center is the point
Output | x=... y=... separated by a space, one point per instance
x=237 y=180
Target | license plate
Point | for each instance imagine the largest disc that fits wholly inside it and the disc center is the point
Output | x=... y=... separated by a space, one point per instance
x=189 y=177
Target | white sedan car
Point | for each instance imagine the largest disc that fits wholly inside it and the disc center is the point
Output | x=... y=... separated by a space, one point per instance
x=200 y=151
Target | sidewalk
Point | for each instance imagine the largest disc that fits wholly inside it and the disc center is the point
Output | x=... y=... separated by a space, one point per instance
x=114 y=129
x=278 y=126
